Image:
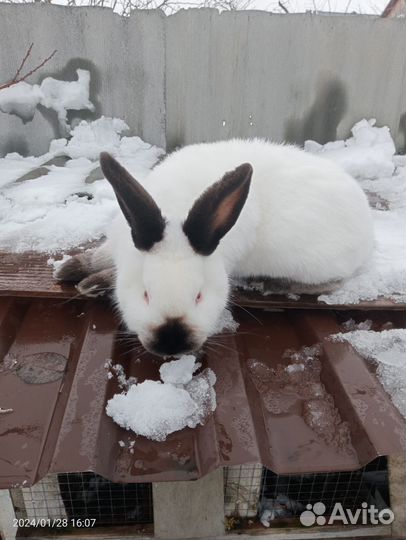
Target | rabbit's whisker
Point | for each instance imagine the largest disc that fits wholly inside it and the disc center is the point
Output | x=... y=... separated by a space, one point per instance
x=246 y=311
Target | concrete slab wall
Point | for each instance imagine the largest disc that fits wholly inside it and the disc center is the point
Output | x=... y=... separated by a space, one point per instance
x=200 y=75
x=290 y=78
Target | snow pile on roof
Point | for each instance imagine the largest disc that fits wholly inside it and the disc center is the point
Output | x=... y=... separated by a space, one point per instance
x=22 y=99
x=369 y=156
x=59 y=210
x=155 y=409
x=385 y=275
x=387 y=350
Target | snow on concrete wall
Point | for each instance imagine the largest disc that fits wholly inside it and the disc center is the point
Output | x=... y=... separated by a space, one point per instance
x=200 y=75
x=125 y=57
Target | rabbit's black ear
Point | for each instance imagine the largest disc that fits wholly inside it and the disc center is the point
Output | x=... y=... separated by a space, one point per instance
x=217 y=209
x=139 y=208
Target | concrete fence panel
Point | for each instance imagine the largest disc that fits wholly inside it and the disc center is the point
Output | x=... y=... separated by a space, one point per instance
x=200 y=75
x=295 y=77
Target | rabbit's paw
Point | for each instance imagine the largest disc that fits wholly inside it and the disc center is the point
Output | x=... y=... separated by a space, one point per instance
x=97 y=284
x=74 y=269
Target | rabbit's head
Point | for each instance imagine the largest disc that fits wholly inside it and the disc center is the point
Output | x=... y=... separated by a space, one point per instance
x=172 y=285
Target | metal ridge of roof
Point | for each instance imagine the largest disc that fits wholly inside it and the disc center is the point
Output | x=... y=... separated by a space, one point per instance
x=53 y=352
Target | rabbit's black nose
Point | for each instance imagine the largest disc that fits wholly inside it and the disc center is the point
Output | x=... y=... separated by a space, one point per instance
x=172 y=337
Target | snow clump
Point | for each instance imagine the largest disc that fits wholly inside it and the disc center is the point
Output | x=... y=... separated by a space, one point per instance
x=156 y=409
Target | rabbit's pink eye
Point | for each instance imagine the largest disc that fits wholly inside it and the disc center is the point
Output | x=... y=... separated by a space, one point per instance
x=198 y=297
x=146 y=297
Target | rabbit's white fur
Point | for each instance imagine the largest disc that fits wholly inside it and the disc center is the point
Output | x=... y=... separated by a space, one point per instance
x=173 y=275
x=305 y=220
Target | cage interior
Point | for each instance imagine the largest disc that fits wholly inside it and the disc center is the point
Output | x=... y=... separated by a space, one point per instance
x=250 y=490
x=85 y=495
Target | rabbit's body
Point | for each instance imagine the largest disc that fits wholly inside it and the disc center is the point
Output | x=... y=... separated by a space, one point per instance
x=305 y=219
x=202 y=217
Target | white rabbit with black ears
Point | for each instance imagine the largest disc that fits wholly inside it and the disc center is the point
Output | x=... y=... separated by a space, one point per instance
x=208 y=212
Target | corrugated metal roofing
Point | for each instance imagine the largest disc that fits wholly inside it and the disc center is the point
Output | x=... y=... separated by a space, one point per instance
x=53 y=380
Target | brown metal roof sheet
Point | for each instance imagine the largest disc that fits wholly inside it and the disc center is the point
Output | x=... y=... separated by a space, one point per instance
x=29 y=274
x=54 y=381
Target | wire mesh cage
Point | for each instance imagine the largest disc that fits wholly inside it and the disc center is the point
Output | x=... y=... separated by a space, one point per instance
x=253 y=490
x=85 y=495
x=242 y=487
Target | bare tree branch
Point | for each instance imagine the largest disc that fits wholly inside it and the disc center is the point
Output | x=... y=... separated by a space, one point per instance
x=27 y=54
x=285 y=9
x=16 y=79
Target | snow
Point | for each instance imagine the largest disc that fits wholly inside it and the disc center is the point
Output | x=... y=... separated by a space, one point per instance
x=178 y=371
x=387 y=351
x=66 y=208
x=89 y=139
x=22 y=99
x=13 y=166
x=155 y=409
x=226 y=323
x=297 y=385
x=369 y=156
x=117 y=369
x=56 y=264
x=152 y=409
x=351 y=325
x=62 y=96
x=385 y=275
x=59 y=211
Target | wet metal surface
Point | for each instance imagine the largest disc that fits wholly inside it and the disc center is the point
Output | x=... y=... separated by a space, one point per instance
x=331 y=416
